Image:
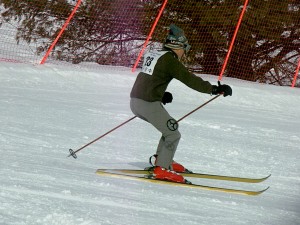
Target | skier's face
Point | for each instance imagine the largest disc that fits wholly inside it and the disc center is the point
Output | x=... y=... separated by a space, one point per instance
x=179 y=52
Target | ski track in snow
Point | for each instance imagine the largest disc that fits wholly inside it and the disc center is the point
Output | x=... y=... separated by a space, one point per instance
x=45 y=110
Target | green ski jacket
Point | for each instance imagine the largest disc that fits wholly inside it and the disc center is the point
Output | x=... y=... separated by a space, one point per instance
x=159 y=68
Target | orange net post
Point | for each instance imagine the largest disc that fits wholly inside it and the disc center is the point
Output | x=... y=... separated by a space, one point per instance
x=28 y=27
x=296 y=74
x=233 y=39
x=61 y=32
x=150 y=35
x=108 y=32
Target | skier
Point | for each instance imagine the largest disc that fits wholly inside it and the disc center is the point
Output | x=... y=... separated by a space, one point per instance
x=149 y=91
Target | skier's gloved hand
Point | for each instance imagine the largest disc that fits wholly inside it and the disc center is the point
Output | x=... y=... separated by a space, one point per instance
x=221 y=89
x=167 y=98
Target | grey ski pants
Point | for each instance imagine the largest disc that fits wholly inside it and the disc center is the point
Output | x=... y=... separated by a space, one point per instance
x=156 y=114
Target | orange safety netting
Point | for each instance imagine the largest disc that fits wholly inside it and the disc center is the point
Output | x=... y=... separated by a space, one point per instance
x=266 y=47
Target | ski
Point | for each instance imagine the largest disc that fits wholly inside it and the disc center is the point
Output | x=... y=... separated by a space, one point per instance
x=195 y=175
x=149 y=178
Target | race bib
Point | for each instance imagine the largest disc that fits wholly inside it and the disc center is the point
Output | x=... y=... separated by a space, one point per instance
x=150 y=60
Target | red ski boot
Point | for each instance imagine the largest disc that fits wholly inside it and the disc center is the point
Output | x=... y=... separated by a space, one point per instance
x=161 y=173
x=177 y=167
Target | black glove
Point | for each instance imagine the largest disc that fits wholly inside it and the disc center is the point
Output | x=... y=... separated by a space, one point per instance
x=221 y=89
x=167 y=98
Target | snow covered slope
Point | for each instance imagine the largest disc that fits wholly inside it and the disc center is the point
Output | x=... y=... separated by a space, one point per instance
x=45 y=110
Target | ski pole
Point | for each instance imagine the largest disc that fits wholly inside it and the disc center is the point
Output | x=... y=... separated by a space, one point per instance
x=73 y=153
x=198 y=108
x=173 y=124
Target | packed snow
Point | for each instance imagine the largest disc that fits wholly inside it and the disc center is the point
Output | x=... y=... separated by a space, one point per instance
x=47 y=109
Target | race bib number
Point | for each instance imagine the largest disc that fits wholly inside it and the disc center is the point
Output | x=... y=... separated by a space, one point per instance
x=150 y=60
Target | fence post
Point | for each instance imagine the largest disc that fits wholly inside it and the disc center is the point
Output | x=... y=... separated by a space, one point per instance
x=233 y=39
x=61 y=32
x=296 y=74
x=150 y=35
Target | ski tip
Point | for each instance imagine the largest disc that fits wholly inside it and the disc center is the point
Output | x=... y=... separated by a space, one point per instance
x=264 y=189
x=251 y=193
x=265 y=178
x=267 y=188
